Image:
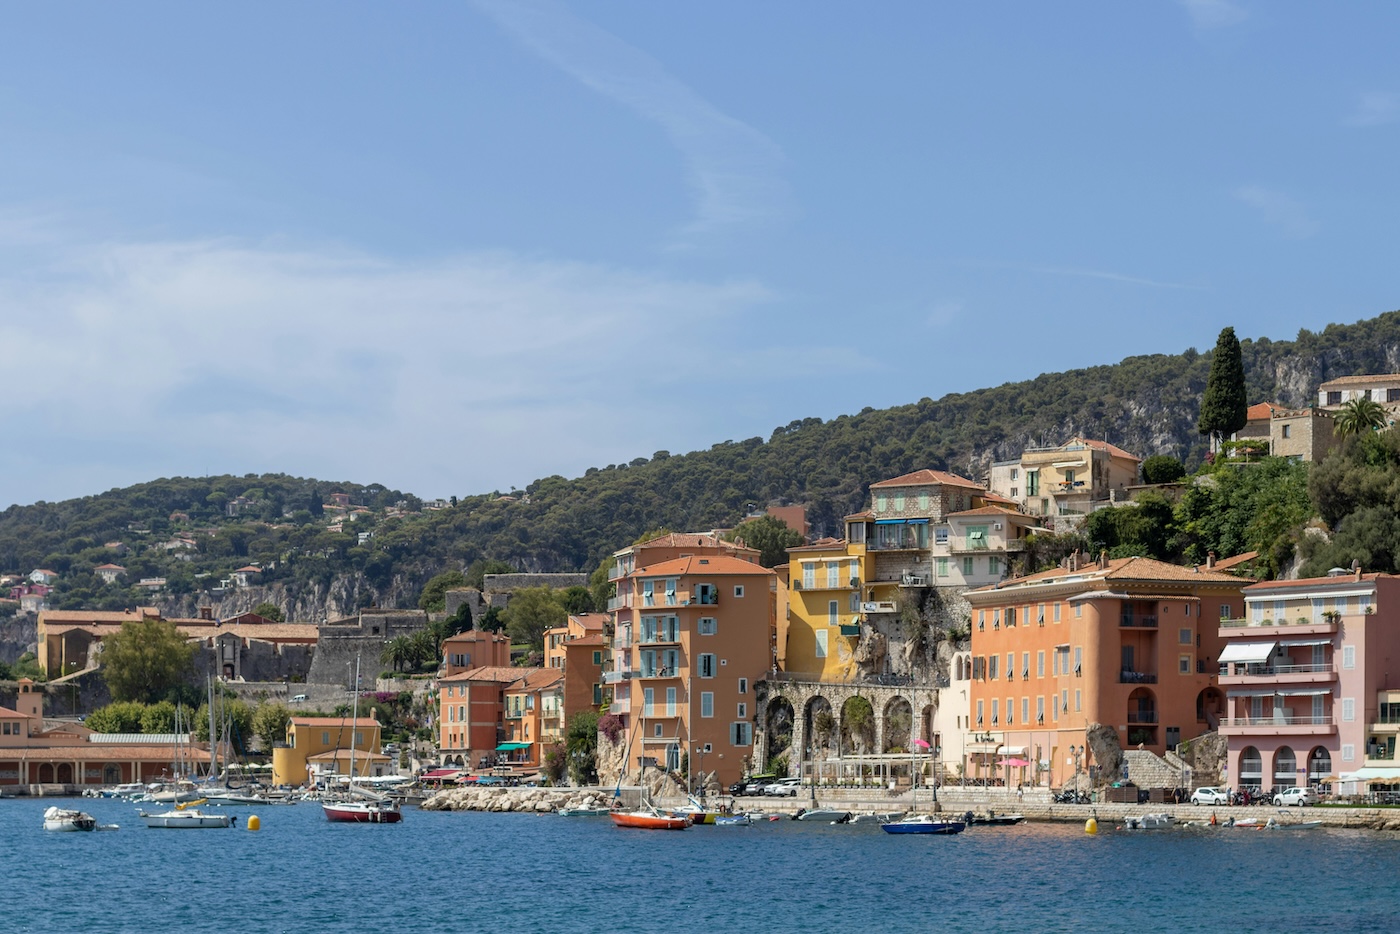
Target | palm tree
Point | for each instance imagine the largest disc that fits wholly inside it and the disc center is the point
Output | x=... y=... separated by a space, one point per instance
x=399 y=652
x=1358 y=416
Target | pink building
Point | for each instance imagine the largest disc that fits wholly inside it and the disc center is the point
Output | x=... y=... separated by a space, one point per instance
x=1305 y=676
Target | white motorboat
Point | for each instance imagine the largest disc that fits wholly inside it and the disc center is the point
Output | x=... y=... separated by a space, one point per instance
x=187 y=819
x=825 y=816
x=1158 y=821
x=61 y=819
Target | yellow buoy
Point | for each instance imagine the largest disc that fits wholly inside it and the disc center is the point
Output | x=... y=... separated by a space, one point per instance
x=253 y=822
x=1091 y=826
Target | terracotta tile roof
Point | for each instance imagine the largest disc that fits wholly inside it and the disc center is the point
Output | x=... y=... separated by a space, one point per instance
x=537 y=679
x=334 y=754
x=1118 y=570
x=1359 y=380
x=476 y=635
x=267 y=632
x=503 y=674
x=109 y=567
x=690 y=540
x=595 y=638
x=997 y=498
x=9 y=714
x=822 y=544
x=1113 y=449
x=334 y=721
x=695 y=565
x=863 y=514
x=1261 y=410
x=926 y=477
x=591 y=620
x=1233 y=562
x=1340 y=579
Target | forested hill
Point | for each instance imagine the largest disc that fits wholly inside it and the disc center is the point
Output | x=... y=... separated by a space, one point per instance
x=1147 y=404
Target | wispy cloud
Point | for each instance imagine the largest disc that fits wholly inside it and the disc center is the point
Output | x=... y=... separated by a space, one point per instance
x=1278 y=210
x=1374 y=108
x=466 y=373
x=1113 y=277
x=735 y=171
x=1214 y=14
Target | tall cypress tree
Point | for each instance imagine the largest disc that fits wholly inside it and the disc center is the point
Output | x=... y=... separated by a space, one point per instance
x=1224 y=407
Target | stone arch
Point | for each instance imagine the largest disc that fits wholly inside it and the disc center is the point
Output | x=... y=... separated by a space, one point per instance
x=46 y=773
x=858 y=723
x=779 y=727
x=898 y=725
x=65 y=773
x=1285 y=767
x=820 y=723
x=1319 y=765
x=111 y=774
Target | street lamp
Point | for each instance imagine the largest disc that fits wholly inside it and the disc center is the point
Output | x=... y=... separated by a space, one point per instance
x=699 y=778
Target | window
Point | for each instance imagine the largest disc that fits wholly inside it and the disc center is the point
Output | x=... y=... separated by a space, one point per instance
x=1078 y=701
x=656 y=731
x=707 y=704
x=1078 y=610
x=832 y=610
x=1040 y=709
x=1032 y=483
x=1025 y=664
x=942 y=567
x=1183 y=664
x=1348 y=656
x=325 y=737
x=993 y=564
x=648 y=593
x=940 y=535
x=1064 y=700
x=899 y=502
x=1392 y=395
x=1348 y=752
x=1366 y=394
x=1348 y=709
x=1334 y=398
x=743 y=685
x=1057 y=612
x=597 y=693
x=707 y=666
x=1014 y=473
x=992 y=668
x=996 y=619
x=1055 y=663
x=967 y=566
x=1054 y=709
x=1025 y=615
x=1078 y=659
x=739 y=591
x=648 y=701
x=1025 y=710
x=741 y=734
x=1184 y=636
x=670 y=702
x=881 y=502
x=1040 y=664
x=979 y=713
x=821 y=643
x=1288 y=431
x=996 y=705
x=809 y=577
x=833 y=575
x=707 y=625
x=598 y=657
x=923 y=500
x=743 y=711
x=671 y=591
x=1010 y=712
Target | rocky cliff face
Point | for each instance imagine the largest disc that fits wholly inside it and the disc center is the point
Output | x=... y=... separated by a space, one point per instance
x=17 y=636
x=343 y=596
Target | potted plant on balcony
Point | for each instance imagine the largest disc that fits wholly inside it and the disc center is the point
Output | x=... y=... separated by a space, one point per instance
x=1332 y=616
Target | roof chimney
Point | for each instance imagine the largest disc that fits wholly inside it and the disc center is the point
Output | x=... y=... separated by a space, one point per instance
x=1210 y=560
x=1356 y=567
x=1103 y=558
x=206 y=612
x=1074 y=560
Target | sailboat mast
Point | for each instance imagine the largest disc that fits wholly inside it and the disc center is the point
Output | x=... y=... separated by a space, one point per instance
x=354 y=719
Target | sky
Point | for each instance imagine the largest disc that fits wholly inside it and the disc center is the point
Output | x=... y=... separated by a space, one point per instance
x=453 y=247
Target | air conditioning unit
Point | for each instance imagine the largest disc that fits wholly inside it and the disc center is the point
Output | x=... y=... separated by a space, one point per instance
x=997 y=526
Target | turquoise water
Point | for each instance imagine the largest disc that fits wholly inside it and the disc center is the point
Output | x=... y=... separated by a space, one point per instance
x=510 y=872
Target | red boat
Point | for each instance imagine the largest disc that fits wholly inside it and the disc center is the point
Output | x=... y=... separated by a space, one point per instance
x=362 y=812
x=648 y=820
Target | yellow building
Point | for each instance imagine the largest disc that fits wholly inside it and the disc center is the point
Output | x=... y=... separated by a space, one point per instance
x=319 y=746
x=824 y=609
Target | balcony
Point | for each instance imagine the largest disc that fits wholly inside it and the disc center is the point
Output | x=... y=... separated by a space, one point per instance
x=623 y=602
x=1277 y=724
x=1236 y=628
x=671 y=637
x=646 y=673
x=613 y=677
x=618 y=571
x=1279 y=674
x=850 y=629
x=904 y=540
x=825 y=583
x=1133 y=621
x=879 y=606
x=913 y=580
x=1142 y=717
x=1126 y=676
x=701 y=598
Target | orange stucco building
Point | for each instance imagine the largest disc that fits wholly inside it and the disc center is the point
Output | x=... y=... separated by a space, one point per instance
x=474 y=648
x=471 y=714
x=534 y=717
x=1130 y=643
x=577 y=649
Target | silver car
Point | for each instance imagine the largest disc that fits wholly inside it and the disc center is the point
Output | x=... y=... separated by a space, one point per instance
x=783 y=788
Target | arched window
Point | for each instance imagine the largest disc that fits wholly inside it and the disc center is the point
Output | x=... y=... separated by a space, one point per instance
x=1285 y=768
x=1251 y=767
x=1319 y=766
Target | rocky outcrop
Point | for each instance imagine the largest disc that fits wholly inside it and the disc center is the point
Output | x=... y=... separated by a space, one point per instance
x=1105 y=750
x=18 y=635
x=526 y=800
x=1206 y=757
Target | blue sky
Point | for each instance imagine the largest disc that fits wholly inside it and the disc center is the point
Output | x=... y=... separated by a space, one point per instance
x=453 y=247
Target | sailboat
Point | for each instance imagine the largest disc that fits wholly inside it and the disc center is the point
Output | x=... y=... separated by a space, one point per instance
x=647 y=816
x=916 y=822
x=364 y=807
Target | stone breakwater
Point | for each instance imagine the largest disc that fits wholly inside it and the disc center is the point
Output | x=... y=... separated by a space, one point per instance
x=526 y=800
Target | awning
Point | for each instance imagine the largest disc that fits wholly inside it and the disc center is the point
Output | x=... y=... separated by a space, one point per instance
x=889 y=522
x=440 y=773
x=1372 y=773
x=917 y=521
x=1269 y=693
x=512 y=747
x=1013 y=751
x=1250 y=653
x=983 y=749
x=1292 y=642
x=1303 y=692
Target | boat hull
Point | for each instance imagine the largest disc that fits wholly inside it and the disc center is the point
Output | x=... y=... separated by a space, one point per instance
x=355 y=813
x=942 y=827
x=826 y=816
x=59 y=820
x=638 y=821
x=185 y=820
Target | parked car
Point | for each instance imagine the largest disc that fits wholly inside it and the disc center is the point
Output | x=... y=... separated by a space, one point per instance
x=1210 y=796
x=1291 y=796
x=754 y=784
x=783 y=788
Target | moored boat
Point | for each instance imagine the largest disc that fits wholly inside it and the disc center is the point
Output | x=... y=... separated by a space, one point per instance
x=733 y=820
x=61 y=819
x=1158 y=821
x=362 y=812
x=924 y=823
x=824 y=816
x=992 y=819
x=583 y=812
x=187 y=819
x=648 y=819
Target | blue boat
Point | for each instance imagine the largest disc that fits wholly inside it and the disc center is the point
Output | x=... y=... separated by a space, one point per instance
x=924 y=823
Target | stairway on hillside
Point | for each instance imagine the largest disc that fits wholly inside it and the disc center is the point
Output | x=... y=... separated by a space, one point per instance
x=1149 y=770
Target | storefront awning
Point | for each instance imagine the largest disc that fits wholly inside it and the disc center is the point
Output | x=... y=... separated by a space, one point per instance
x=1372 y=773
x=512 y=747
x=1248 y=653
x=441 y=773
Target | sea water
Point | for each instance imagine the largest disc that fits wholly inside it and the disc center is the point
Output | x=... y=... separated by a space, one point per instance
x=447 y=872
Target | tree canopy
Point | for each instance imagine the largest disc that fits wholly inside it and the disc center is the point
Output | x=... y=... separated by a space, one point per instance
x=434 y=596
x=270 y=611
x=530 y=612
x=1358 y=416
x=771 y=537
x=1225 y=404
x=145 y=660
